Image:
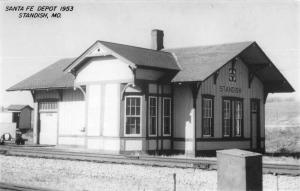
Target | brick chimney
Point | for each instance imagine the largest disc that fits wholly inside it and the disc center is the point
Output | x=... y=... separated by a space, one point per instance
x=157 y=39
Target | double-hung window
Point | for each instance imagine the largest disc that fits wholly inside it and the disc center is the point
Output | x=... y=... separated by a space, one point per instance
x=133 y=115
x=226 y=117
x=207 y=116
x=166 y=116
x=232 y=117
x=152 y=116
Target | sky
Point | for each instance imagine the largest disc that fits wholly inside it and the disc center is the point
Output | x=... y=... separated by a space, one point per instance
x=28 y=45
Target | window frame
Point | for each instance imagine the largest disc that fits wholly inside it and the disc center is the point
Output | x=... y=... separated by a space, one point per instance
x=156 y=116
x=163 y=116
x=125 y=115
x=209 y=97
x=232 y=101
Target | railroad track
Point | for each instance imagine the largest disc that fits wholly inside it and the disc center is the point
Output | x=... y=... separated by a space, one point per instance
x=209 y=164
x=17 y=187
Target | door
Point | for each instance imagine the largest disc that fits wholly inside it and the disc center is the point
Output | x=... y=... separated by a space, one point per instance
x=48 y=128
x=255 y=124
x=16 y=118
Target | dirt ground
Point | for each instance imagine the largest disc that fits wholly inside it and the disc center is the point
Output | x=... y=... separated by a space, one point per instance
x=75 y=175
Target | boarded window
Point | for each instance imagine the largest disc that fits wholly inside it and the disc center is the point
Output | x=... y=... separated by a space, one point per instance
x=48 y=106
x=133 y=115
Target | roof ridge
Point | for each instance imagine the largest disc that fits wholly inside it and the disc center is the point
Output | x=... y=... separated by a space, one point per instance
x=148 y=49
x=209 y=45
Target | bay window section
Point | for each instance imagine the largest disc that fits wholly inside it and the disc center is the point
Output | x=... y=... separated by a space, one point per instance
x=166 y=116
x=152 y=116
x=133 y=115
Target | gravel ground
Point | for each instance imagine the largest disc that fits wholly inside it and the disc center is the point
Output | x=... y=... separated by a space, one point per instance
x=75 y=175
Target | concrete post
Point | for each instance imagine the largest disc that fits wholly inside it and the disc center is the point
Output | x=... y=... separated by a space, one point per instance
x=239 y=170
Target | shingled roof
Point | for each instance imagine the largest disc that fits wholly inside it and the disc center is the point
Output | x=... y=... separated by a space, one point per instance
x=137 y=56
x=192 y=64
x=143 y=56
x=17 y=107
x=49 y=78
x=200 y=62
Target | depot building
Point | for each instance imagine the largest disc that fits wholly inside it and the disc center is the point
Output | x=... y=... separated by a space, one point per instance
x=120 y=98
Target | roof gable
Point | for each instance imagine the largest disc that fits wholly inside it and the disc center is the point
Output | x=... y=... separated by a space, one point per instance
x=134 y=56
x=198 y=63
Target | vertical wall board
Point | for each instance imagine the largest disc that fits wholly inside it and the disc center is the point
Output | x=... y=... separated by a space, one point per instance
x=167 y=144
x=167 y=89
x=159 y=112
x=25 y=118
x=148 y=74
x=71 y=117
x=262 y=121
x=72 y=95
x=94 y=108
x=144 y=116
x=47 y=94
x=217 y=145
x=217 y=90
x=152 y=88
x=151 y=144
x=179 y=145
x=183 y=104
x=111 y=109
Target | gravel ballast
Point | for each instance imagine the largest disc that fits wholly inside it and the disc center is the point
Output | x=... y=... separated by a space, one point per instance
x=78 y=175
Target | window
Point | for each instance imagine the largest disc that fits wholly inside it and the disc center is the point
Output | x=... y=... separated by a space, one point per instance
x=232 y=117
x=166 y=116
x=133 y=115
x=227 y=117
x=48 y=106
x=237 y=118
x=152 y=116
x=207 y=116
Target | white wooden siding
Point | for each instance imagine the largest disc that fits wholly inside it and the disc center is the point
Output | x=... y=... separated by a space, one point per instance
x=101 y=71
x=93 y=110
x=111 y=126
x=71 y=120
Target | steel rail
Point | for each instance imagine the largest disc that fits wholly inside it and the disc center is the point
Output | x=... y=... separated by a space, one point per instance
x=18 y=187
x=66 y=154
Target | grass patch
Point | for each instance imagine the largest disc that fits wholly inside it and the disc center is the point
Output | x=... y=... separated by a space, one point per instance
x=283 y=140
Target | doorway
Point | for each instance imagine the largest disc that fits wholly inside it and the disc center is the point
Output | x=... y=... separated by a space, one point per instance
x=48 y=119
x=48 y=131
x=255 y=124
